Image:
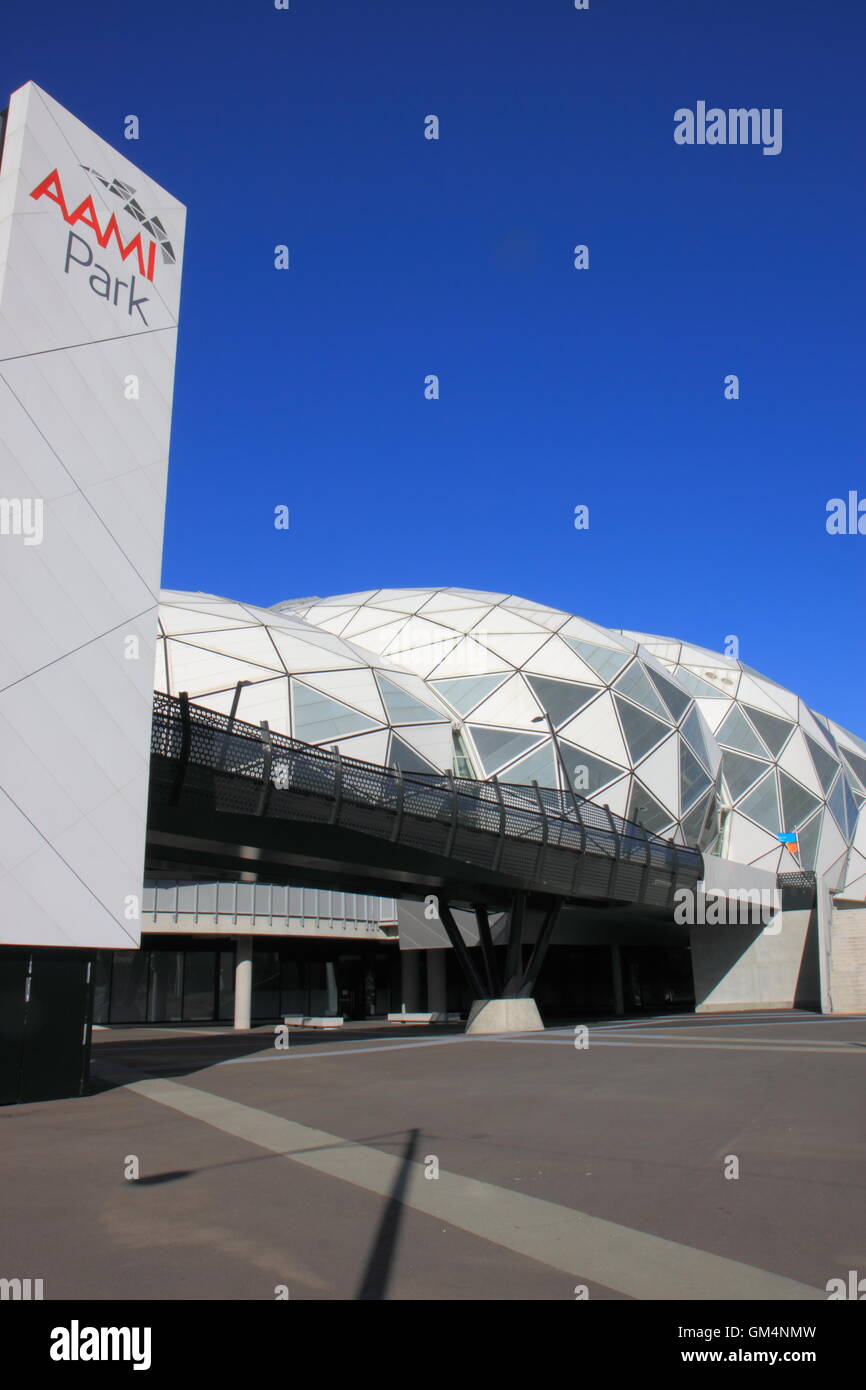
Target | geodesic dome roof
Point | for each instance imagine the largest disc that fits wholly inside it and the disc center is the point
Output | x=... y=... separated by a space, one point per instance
x=536 y=689
x=305 y=682
x=783 y=767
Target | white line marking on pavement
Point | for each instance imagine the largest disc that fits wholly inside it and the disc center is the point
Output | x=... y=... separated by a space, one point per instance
x=632 y=1262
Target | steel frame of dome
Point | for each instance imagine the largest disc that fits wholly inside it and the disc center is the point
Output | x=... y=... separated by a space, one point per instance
x=542 y=695
x=695 y=745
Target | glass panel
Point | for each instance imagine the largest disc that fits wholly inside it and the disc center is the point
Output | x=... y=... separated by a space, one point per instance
x=318 y=717
x=266 y=984
x=402 y=707
x=836 y=802
x=740 y=772
x=293 y=988
x=101 y=986
x=198 y=985
x=762 y=805
x=693 y=822
x=465 y=692
x=317 y=987
x=642 y=731
x=775 y=732
x=401 y=755
x=539 y=767
x=497 y=746
x=697 y=687
x=694 y=732
x=798 y=804
x=462 y=763
x=226 y=984
x=636 y=684
x=693 y=780
x=826 y=765
x=646 y=811
x=856 y=764
x=561 y=699
x=675 y=699
x=607 y=664
x=166 y=981
x=736 y=731
x=129 y=987
x=852 y=810
x=588 y=773
x=808 y=837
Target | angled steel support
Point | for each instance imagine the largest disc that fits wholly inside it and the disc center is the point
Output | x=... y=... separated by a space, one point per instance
x=542 y=848
x=185 y=746
x=501 y=842
x=513 y=956
x=488 y=951
x=539 y=951
x=467 y=964
x=231 y=721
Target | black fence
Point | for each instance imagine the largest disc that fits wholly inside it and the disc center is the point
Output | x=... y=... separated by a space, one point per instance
x=548 y=839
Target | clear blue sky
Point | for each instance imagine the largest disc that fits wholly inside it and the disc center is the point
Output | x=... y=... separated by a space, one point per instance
x=558 y=387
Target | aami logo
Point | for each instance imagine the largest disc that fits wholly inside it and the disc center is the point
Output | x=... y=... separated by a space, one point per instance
x=79 y=251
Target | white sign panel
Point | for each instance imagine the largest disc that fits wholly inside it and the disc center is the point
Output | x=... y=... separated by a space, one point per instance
x=90 y=261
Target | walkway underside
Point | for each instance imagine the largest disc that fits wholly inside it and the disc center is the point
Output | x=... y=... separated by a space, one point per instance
x=232 y=801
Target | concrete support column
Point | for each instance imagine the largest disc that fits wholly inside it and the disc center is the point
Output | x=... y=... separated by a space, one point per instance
x=616 y=972
x=409 y=981
x=437 y=997
x=243 y=981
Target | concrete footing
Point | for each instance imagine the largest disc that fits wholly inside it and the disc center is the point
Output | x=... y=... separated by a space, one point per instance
x=504 y=1016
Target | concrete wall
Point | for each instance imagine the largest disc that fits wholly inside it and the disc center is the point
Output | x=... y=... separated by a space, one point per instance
x=747 y=967
x=848 y=957
x=738 y=965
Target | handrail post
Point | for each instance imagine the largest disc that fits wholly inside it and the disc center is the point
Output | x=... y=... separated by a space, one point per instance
x=617 y=856
x=338 y=787
x=267 y=764
x=401 y=793
x=542 y=848
x=453 y=828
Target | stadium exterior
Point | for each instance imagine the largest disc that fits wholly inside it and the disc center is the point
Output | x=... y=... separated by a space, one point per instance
x=696 y=747
x=687 y=754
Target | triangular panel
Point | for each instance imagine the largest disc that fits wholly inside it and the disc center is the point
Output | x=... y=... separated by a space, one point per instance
x=636 y=684
x=676 y=700
x=465 y=692
x=642 y=731
x=740 y=772
x=762 y=804
x=498 y=746
x=735 y=731
x=797 y=803
x=588 y=773
x=561 y=699
x=316 y=717
x=774 y=731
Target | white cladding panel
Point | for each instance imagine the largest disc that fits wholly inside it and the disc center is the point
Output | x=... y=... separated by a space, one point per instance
x=88 y=323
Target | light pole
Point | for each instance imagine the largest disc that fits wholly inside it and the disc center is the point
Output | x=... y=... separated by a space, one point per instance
x=547 y=719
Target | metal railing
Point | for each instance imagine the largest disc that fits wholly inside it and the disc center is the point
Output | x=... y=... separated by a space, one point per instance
x=549 y=840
